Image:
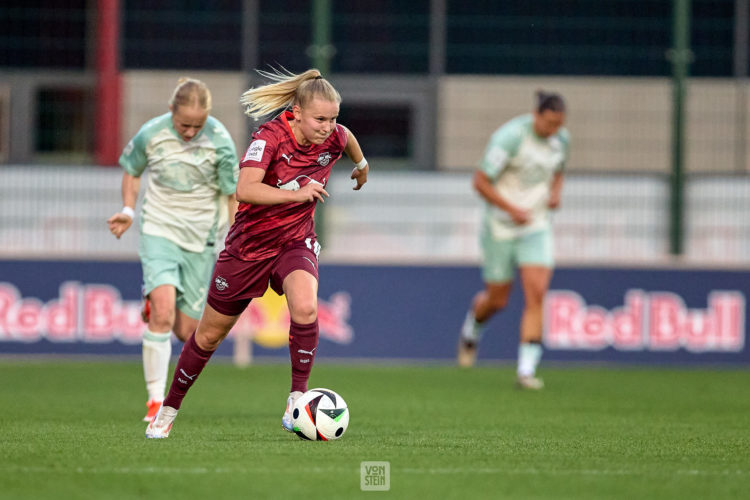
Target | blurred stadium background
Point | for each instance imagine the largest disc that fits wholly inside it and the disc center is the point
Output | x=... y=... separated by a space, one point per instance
x=657 y=92
x=652 y=242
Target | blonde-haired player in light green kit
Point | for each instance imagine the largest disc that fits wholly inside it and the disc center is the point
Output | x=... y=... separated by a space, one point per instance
x=520 y=179
x=190 y=195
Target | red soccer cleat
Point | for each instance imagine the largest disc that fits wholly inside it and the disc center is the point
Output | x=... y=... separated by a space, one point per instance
x=153 y=408
x=146 y=310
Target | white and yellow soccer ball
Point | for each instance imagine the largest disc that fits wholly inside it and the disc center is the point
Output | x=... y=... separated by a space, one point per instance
x=320 y=415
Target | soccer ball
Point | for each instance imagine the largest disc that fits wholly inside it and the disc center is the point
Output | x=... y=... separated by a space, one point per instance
x=320 y=415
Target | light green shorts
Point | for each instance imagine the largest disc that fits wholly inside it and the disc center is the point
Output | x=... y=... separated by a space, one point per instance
x=500 y=258
x=165 y=263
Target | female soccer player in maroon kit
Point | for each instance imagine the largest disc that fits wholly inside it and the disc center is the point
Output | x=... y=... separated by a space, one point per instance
x=272 y=241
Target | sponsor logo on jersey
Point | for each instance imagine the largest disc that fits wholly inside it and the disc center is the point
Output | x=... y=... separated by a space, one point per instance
x=255 y=151
x=294 y=184
x=324 y=159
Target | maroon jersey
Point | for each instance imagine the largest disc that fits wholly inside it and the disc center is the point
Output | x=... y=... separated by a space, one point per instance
x=260 y=231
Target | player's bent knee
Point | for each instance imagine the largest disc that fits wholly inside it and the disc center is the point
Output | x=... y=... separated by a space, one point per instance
x=535 y=299
x=304 y=314
x=209 y=340
x=207 y=343
x=497 y=304
x=159 y=324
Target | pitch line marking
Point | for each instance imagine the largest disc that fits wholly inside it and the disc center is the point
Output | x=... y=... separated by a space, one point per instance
x=395 y=471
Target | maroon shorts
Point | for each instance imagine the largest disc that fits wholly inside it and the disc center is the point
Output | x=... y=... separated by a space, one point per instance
x=236 y=282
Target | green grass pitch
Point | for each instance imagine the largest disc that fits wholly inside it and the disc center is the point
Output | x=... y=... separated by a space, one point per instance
x=73 y=430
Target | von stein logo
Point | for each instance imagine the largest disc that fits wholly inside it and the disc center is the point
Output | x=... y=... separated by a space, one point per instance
x=656 y=321
x=375 y=476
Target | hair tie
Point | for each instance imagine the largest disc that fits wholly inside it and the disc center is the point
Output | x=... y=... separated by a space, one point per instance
x=319 y=77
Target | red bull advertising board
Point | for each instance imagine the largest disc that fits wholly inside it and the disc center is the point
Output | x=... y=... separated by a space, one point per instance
x=401 y=312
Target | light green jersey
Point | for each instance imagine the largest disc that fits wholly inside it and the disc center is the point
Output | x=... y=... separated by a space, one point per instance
x=188 y=181
x=521 y=166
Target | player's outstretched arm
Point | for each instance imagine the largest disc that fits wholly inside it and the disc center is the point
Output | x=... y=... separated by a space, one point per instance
x=122 y=220
x=354 y=152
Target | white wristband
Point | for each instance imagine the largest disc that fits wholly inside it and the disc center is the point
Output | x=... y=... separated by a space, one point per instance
x=362 y=164
x=128 y=211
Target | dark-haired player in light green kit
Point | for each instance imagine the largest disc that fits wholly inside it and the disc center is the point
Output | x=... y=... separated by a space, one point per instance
x=520 y=179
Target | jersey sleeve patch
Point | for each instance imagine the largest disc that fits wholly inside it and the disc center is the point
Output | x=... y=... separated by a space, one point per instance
x=255 y=151
x=494 y=161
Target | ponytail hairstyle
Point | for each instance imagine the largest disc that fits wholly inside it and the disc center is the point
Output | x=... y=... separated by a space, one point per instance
x=549 y=101
x=286 y=91
x=190 y=92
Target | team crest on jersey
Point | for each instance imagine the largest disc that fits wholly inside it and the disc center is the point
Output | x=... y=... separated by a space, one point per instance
x=324 y=159
x=221 y=283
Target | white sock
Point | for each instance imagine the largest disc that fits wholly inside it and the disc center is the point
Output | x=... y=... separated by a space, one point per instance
x=529 y=355
x=157 y=350
x=471 y=331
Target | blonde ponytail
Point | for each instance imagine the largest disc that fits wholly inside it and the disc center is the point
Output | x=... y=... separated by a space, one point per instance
x=286 y=90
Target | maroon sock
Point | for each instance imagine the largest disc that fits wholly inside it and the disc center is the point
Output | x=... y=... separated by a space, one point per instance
x=303 y=342
x=191 y=363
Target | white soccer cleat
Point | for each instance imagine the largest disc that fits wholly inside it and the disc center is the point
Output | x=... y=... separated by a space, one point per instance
x=467 y=353
x=161 y=424
x=287 y=420
x=529 y=382
x=468 y=341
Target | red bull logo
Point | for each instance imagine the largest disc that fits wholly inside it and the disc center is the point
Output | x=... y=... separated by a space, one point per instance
x=656 y=321
x=82 y=313
x=96 y=313
x=266 y=320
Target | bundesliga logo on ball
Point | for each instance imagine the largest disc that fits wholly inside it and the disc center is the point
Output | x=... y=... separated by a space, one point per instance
x=320 y=415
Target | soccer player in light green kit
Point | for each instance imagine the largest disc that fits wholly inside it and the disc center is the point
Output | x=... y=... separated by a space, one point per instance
x=190 y=195
x=520 y=179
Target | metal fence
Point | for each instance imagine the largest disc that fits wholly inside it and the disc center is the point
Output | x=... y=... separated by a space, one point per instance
x=425 y=82
x=61 y=212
